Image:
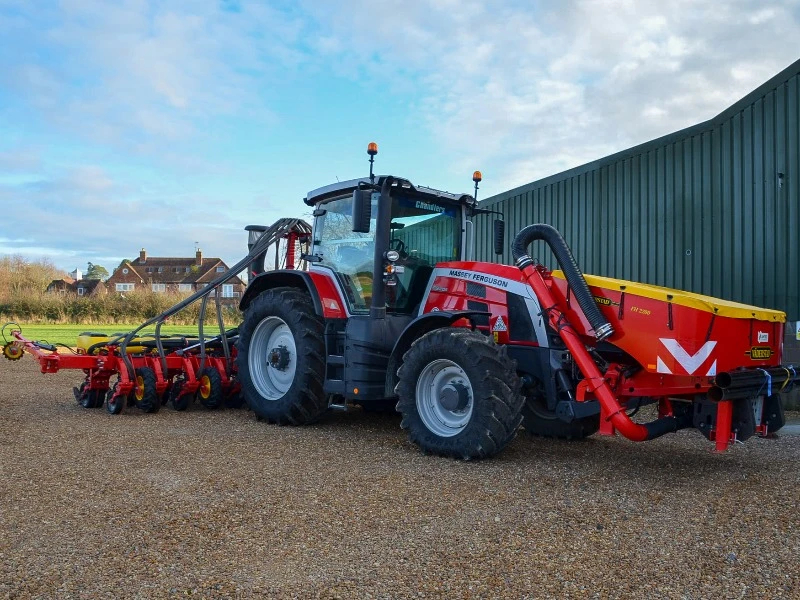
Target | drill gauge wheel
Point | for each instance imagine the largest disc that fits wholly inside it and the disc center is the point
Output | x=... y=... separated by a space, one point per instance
x=13 y=351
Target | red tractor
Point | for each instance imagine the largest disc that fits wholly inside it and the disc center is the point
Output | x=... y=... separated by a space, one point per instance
x=392 y=313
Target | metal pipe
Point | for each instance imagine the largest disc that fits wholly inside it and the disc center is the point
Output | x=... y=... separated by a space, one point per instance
x=722 y=435
x=597 y=383
x=258 y=249
x=200 y=334
x=383 y=234
x=222 y=336
x=550 y=235
x=778 y=376
x=749 y=383
x=598 y=386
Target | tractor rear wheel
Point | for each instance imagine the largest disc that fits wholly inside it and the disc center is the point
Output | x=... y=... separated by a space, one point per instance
x=209 y=394
x=459 y=394
x=144 y=393
x=281 y=358
x=540 y=421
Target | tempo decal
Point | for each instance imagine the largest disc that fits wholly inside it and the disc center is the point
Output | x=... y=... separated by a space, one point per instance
x=690 y=362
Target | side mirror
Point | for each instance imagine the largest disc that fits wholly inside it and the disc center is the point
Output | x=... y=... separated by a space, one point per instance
x=362 y=210
x=499 y=235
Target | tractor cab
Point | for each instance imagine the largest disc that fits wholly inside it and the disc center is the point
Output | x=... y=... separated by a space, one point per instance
x=389 y=232
x=371 y=255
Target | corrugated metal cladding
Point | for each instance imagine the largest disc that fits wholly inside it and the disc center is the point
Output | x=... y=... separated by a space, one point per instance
x=713 y=209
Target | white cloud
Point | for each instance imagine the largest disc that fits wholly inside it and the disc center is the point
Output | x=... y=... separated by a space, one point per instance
x=129 y=71
x=529 y=90
x=82 y=214
x=520 y=90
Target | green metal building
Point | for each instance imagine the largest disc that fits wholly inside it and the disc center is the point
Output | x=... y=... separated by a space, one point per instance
x=714 y=208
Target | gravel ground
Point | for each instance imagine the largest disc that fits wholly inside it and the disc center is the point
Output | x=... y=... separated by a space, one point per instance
x=219 y=505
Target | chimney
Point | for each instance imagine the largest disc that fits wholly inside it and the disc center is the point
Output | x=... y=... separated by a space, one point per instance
x=76 y=275
x=142 y=256
x=198 y=258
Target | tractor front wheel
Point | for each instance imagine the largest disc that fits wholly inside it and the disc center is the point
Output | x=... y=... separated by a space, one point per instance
x=281 y=358
x=459 y=394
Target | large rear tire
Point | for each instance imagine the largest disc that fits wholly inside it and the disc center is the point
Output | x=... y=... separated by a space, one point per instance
x=281 y=358
x=459 y=394
x=539 y=421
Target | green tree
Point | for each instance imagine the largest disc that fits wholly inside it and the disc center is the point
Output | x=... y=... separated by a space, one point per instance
x=96 y=271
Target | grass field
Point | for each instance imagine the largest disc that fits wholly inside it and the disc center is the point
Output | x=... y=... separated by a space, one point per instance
x=68 y=334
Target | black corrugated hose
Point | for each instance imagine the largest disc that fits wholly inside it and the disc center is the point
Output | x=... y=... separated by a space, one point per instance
x=551 y=236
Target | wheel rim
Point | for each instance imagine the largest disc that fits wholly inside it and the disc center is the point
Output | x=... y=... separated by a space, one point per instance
x=440 y=383
x=273 y=358
x=205 y=387
x=139 y=388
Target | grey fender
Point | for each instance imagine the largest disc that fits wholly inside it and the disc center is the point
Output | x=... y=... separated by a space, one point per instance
x=416 y=329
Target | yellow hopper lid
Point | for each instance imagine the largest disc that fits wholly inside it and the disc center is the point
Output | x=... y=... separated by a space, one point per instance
x=723 y=308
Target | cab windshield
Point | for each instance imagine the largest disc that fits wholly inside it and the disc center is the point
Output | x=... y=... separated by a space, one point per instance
x=423 y=231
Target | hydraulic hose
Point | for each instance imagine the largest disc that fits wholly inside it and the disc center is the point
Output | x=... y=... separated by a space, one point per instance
x=666 y=425
x=596 y=382
x=550 y=235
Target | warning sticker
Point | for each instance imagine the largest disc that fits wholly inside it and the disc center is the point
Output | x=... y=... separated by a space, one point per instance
x=499 y=325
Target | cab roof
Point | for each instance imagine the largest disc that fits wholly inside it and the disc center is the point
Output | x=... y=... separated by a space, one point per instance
x=341 y=188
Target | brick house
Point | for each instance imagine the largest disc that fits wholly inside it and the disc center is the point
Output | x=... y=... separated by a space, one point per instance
x=61 y=286
x=184 y=275
x=81 y=287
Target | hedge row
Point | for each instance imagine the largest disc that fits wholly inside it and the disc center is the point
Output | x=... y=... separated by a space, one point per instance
x=106 y=309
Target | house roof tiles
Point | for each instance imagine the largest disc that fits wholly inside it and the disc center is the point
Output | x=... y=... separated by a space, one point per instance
x=170 y=270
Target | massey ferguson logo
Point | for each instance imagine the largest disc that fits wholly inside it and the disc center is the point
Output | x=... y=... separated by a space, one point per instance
x=480 y=278
x=759 y=353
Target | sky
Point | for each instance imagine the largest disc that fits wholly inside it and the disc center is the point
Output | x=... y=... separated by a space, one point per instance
x=168 y=125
